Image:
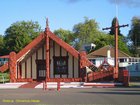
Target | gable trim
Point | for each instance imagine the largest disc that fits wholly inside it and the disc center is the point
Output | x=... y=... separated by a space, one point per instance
x=27 y=49
x=63 y=44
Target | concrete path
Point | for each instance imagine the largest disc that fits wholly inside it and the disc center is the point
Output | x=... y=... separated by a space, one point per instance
x=11 y=85
x=54 y=85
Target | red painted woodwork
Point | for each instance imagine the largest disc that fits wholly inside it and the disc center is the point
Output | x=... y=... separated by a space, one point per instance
x=83 y=63
x=30 y=85
x=99 y=75
x=105 y=62
x=4 y=67
x=124 y=77
x=30 y=45
x=45 y=87
x=116 y=68
x=5 y=56
x=63 y=44
x=58 y=86
x=84 y=60
x=47 y=51
x=12 y=66
x=64 y=80
x=47 y=35
x=116 y=51
x=24 y=80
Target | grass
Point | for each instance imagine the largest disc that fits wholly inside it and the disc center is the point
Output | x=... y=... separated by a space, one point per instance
x=4 y=77
x=134 y=84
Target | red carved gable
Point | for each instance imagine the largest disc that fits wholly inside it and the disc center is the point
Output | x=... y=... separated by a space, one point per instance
x=63 y=44
x=4 y=67
x=55 y=38
x=37 y=40
x=30 y=45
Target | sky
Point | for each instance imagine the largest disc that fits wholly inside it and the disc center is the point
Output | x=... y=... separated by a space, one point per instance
x=66 y=13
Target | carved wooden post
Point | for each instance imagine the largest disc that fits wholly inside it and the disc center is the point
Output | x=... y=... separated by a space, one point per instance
x=116 y=51
x=47 y=58
x=82 y=65
x=125 y=77
x=116 y=68
x=47 y=51
x=12 y=66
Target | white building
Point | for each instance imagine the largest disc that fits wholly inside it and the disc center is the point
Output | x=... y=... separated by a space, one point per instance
x=125 y=61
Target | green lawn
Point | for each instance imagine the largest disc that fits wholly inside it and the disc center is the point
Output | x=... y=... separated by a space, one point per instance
x=4 y=77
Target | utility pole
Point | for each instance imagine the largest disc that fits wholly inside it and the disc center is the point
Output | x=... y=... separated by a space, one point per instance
x=116 y=67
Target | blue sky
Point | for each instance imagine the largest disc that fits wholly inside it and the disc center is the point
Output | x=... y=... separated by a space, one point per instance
x=66 y=13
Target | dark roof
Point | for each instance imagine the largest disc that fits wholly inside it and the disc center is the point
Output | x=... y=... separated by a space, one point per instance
x=102 y=52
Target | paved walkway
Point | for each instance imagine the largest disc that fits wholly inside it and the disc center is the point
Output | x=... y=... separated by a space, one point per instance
x=30 y=85
x=54 y=85
x=12 y=85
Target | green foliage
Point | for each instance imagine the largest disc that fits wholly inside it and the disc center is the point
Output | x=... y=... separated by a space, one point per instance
x=112 y=32
x=122 y=44
x=85 y=32
x=134 y=36
x=88 y=32
x=105 y=39
x=134 y=33
x=19 y=34
x=1 y=44
x=4 y=77
x=65 y=35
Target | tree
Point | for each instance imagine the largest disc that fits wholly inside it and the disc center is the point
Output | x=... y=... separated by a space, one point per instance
x=19 y=34
x=88 y=32
x=1 y=45
x=65 y=35
x=134 y=36
x=105 y=39
x=112 y=32
x=85 y=32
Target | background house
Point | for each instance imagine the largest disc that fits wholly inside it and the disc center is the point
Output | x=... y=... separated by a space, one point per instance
x=3 y=59
x=125 y=61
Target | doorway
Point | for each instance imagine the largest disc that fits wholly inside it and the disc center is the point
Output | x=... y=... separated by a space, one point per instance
x=41 y=69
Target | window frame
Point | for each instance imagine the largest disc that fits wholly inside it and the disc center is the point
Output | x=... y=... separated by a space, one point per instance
x=60 y=71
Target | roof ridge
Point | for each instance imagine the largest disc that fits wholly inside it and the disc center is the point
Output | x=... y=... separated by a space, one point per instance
x=98 y=49
x=105 y=47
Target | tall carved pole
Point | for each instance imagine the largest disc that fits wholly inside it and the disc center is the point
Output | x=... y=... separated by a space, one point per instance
x=116 y=66
x=116 y=50
x=12 y=66
x=47 y=51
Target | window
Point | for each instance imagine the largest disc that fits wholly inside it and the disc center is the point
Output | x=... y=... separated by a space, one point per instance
x=122 y=60
x=61 y=65
x=93 y=61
